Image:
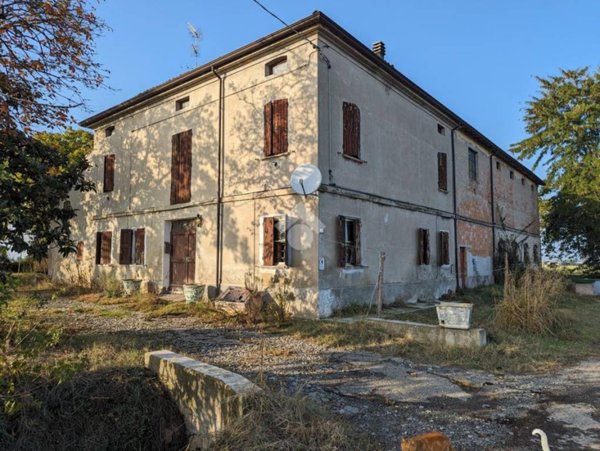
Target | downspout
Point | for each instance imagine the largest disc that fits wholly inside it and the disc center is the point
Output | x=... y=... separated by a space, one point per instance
x=220 y=153
x=454 y=205
x=493 y=214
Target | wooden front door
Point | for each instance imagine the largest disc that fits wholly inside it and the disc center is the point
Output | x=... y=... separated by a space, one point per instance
x=183 y=253
x=462 y=267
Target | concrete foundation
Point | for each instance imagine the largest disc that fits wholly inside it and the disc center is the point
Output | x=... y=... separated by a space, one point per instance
x=207 y=396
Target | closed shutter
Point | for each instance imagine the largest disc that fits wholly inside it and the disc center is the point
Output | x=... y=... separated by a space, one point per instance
x=125 y=248
x=357 y=242
x=444 y=249
x=351 y=130
x=341 y=242
x=268 y=114
x=427 y=253
x=109 y=173
x=442 y=172
x=269 y=242
x=98 y=248
x=79 y=254
x=181 y=167
x=174 y=168
x=106 y=247
x=280 y=126
x=140 y=243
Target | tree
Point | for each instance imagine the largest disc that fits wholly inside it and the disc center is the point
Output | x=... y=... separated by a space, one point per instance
x=563 y=122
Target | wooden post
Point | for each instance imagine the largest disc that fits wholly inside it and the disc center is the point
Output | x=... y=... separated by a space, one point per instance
x=380 y=283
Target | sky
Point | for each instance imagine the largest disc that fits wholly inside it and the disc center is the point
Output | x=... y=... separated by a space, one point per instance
x=478 y=57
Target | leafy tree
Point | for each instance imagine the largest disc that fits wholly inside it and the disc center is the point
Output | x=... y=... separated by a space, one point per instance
x=563 y=122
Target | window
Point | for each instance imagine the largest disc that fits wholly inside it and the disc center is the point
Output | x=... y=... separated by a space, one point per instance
x=275 y=250
x=498 y=165
x=182 y=103
x=79 y=253
x=109 y=173
x=526 y=253
x=444 y=249
x=108 y=131
x=181 y=167
x=441 y=129
x=103 y=248
x=349 y=241
x=351 y=139
x=523 y=181
x=442 y=171
x=423 y=248
x=276 y=127
x=472 y=165
x=512 y=175
x=532 y=189
x=536 y=254
x=277 y=66
x=132 y=247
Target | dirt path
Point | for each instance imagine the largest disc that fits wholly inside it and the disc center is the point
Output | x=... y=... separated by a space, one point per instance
x=386 y=397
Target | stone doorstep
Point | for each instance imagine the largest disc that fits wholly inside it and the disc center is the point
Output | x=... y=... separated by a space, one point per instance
x=428 y=333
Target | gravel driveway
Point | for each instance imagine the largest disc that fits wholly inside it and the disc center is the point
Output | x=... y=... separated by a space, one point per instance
x=384 y=396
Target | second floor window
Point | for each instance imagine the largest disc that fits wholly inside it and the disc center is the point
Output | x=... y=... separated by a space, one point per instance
x=442 y=171
x=109 y=173
x=351 y=130
x=181 y=167
x=472 y=165
x=276 y=127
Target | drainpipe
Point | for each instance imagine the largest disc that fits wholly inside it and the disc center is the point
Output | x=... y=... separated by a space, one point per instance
x=454 y=205
x=493 y=215
x=220 y=163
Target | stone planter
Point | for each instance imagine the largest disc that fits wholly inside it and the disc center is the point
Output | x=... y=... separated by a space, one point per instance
x=455 y=315
x=193 y=292
x=131 y=286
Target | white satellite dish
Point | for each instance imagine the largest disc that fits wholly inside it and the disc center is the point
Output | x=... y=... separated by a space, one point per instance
x=306 y=179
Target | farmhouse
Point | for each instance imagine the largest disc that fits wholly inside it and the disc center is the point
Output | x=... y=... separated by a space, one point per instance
x=193 y=180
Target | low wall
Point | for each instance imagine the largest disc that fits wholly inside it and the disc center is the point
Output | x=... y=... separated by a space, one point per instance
x=208 y=397
x=589 y=288
x=471 y=338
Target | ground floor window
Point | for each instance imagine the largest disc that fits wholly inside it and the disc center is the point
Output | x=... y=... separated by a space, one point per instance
x=132 y=248
x=275 y=249
x=349 y=241
x=103 y=248
x=444 y=249
x=423 y=254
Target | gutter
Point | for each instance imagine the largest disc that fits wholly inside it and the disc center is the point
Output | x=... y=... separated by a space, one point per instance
x=454 y=205
x=493 y=212
x=220 y=184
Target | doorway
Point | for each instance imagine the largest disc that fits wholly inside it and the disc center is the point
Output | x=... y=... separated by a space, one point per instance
x=462 y=267
x=183 y=253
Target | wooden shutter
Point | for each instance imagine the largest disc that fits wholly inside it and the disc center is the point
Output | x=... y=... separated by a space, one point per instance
x=105 y=248
x=442 y=172
x=426 y=254
x=357 y=242
x=351 y=130
x=444 y=249
x=125 y=248
x=79 y=254
x=109 y=173
x=185 y=148
x=98 y=248
x=140 y=243
x=341 y=241
x=174 y=168
x=269 y=242
x=268 y=114
x=280 y=126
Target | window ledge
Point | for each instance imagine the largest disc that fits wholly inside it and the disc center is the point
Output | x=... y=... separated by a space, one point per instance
x=356 y=160
x=284 y=154
x=274 y=268
x=351 y=269
x=444 y=191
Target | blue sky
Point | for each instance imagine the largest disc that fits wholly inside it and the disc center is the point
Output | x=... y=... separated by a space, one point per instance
x=479 y=57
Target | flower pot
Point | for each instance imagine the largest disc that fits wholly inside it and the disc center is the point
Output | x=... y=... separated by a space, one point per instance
x=455 y=315
x=131 y=286
x=193 y=292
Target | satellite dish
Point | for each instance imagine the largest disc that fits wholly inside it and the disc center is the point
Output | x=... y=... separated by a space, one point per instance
x=306 y=179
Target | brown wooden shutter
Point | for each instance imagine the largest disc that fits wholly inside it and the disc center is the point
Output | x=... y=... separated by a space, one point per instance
x=444 y=249
x=185 y=194
x=280 y=126
x=106 y=247
x=426 y=254
x=140 y=242
x=174 y=168
x=98 y=247
x=125 y=248
x=109 y=173
x=341 y=242
x=419 y=246
x=268 y=114
x=442 y=172
x=269 y=242
x=79 y=254
x=351 y=130
x=357 y=241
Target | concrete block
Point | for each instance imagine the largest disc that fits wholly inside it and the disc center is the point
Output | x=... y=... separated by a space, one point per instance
x=584 y=288
x=428 y=333
x=208 y=397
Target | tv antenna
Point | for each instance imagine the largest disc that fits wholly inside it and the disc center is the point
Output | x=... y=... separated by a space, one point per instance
x=196 y=36
x=305 y=179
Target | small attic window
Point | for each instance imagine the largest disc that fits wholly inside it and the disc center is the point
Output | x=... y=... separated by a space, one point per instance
x=523 y=181
x=108 y=131
x=441 y=129
x=182 y=103
x=532 y=187
x=498 y=165
x=276 y=66
x=512 y=175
